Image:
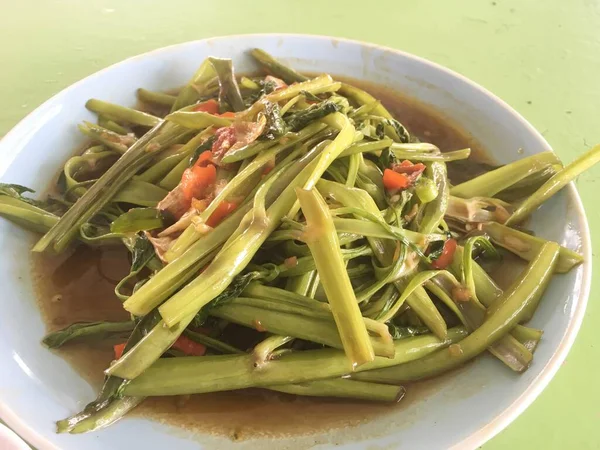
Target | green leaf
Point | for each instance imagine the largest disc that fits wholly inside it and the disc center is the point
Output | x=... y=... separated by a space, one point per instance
x=197 y=87
x=229 y=89
x=479 y=244
x=138 y=219
x=92 y=233
x=17 y=191
x=399 y=332
x=78 y=330
x=206 y=145
x=276 y=126
x=380 y=131
x=266 y=87
x=110 y=405
x=387 y=127
x=236 y=287
x=142 y=253
x=311 y=97
x=140 y=193
x=398 y=128
x=298 y=120
x=386 y=159
x=14 y=190
x=51 y=205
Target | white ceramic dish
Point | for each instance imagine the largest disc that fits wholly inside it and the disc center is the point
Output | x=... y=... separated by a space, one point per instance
x=10 y=441
x=37 y=387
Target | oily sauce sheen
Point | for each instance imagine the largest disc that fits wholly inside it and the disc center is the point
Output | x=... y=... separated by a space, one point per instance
x=78 y=286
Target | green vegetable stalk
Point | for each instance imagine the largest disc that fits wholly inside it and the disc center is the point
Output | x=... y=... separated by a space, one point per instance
x=512 y=307
x=192 y=375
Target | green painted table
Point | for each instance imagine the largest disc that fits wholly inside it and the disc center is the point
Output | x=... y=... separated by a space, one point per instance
x=542 y=57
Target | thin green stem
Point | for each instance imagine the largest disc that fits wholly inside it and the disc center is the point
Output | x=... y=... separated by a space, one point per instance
x=101 y=192
x=83 y=330
x=344 y=388
x=399 y=152
x=229 y=88
x=527 y=246
x=367 y=147
x=263 y=350
x=495 y=181
x=288 y=322
x=555 y=184
x=178 y=376
x=321 y=237
x=106 y=137
x=158 y=98
x=111 y=125
x=275 y=67
x=511 y=308
x=434 y=211
x=122 y=113
x=240 y=247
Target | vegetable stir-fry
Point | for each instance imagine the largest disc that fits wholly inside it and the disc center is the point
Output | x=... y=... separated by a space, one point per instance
x=300 y=208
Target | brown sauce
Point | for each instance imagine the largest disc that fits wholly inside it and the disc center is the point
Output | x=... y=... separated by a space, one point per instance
x=85 y=278
x=423 y=121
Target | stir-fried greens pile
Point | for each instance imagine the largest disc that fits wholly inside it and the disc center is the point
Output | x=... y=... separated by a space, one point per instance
x=300 y=208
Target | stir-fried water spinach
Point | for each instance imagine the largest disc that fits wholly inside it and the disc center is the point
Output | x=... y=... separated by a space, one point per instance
x=300 y=208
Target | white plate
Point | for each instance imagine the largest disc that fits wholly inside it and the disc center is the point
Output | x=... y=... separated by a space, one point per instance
x=37 y=387
x=10 y=441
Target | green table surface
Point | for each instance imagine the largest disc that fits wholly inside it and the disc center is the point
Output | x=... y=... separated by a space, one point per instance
x=541 y=56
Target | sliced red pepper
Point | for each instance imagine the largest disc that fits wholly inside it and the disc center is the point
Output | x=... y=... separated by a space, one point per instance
x=447 y=255
x=189 y=347
x=402 y=175
x=393 y=180
x=204 y=159
x=119 y=349
x=210 y=106
x=222 y=211
x=196 y=179
x=409 y=168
